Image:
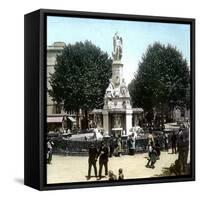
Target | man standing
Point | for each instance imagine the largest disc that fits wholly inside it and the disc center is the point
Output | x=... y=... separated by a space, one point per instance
x=174 y=141
x=166 y=139
x=150 y=139
x=118 y=149
x=103 y=159
x=112 y=147
x=49 y=151
x=93 y=155
x=131 y=144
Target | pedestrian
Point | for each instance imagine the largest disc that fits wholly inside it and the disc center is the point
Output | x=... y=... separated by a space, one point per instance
x=166 y=140
x=152 y=157
x=103 y=159
x=111 y=176
x=118 y=149
x=121 y=175
x=111 y=146
x=150 y=149
x=93 y=155
x=150 y=138
x=131 y=144
x=174 y=142
x=157 y=148
x=49 y=151
x=183 y=147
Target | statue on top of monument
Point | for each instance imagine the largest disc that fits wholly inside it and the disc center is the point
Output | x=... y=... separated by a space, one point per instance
x=117 y=47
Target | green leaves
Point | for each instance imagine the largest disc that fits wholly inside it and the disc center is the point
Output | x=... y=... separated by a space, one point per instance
x=81 y=76
x=162 y=77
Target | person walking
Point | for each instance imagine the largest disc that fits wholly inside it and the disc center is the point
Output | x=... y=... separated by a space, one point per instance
x=103 y=159
x=152 y=157
x=49 y=151
x=166 y=139
x=157 y=148
x=174 y=142
x=150 y=138
x=118 y=149
x=131 y=144
x=93 y=155
x=183 y=148
x=112 y=147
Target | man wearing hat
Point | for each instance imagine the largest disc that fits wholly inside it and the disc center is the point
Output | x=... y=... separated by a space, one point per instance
x=103 y=159
x=93 y=155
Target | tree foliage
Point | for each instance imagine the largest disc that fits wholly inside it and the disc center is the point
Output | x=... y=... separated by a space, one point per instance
x=162 y=78
x=81 y=77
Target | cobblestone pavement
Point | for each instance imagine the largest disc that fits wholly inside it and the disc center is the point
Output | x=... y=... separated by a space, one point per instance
x=74 y=168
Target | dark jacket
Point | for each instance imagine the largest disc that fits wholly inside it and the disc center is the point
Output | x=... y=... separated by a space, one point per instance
x=93 y=154
x=103 y=153
x=174 y=138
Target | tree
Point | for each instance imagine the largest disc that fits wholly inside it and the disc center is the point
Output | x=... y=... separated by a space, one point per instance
x=81 y=77
x=162 y=79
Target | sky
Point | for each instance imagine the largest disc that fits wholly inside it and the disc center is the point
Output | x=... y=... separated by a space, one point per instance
x=136 y=37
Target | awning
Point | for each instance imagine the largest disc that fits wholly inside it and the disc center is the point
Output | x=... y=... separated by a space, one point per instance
x=72 y=119
x=54 y=119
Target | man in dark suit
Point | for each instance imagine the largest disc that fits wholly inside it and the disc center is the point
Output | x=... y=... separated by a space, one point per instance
x=93 y=155
x=103 y=159
x=174 y=142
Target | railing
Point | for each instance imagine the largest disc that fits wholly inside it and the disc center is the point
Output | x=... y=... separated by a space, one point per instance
x=69 y=147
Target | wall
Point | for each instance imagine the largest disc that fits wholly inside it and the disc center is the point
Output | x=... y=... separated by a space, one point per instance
x=11 y=101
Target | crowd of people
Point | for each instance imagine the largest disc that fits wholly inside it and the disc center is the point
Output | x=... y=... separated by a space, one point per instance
x=179 y=143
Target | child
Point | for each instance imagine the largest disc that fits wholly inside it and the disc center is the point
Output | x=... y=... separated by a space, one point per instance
x=111 y=176
x=121 y=175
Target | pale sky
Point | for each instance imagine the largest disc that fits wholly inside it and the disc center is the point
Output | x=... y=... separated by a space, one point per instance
x=136 y=36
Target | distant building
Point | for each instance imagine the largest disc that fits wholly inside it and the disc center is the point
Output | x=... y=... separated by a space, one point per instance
x=56 y=117
x=52 y=52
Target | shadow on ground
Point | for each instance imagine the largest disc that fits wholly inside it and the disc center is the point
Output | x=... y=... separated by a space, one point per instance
x=19 y=181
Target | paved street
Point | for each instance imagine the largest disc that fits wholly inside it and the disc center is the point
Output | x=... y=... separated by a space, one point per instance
x=74 y=168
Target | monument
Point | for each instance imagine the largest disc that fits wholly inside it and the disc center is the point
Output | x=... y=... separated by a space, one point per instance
x=117 y=110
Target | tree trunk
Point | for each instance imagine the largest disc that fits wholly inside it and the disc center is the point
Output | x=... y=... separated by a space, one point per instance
x=86 y=119
x=162 y=117
x=77 y=119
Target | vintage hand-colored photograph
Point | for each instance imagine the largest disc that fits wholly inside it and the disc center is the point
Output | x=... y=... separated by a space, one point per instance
x=118 y=100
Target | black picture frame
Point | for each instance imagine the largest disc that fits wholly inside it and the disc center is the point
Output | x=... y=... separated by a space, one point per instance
x=35 y=97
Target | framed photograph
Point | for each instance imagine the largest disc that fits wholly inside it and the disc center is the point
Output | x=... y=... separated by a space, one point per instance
x=109 y=99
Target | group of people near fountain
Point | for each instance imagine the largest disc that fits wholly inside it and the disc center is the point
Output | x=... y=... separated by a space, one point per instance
x=179 y=142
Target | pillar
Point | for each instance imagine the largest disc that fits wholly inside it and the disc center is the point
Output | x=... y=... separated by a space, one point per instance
x=105 y=121
x=128 y=120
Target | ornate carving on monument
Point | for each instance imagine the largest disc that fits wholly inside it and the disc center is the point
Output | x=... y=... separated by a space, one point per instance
x=116 y=92
x=117 y=107
x=124 y=104
x=110 y=104
x=99 y=121
x=117 y=121
x=123 y=88
x=116 y=81
x=117 y=47
x=110 y=90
